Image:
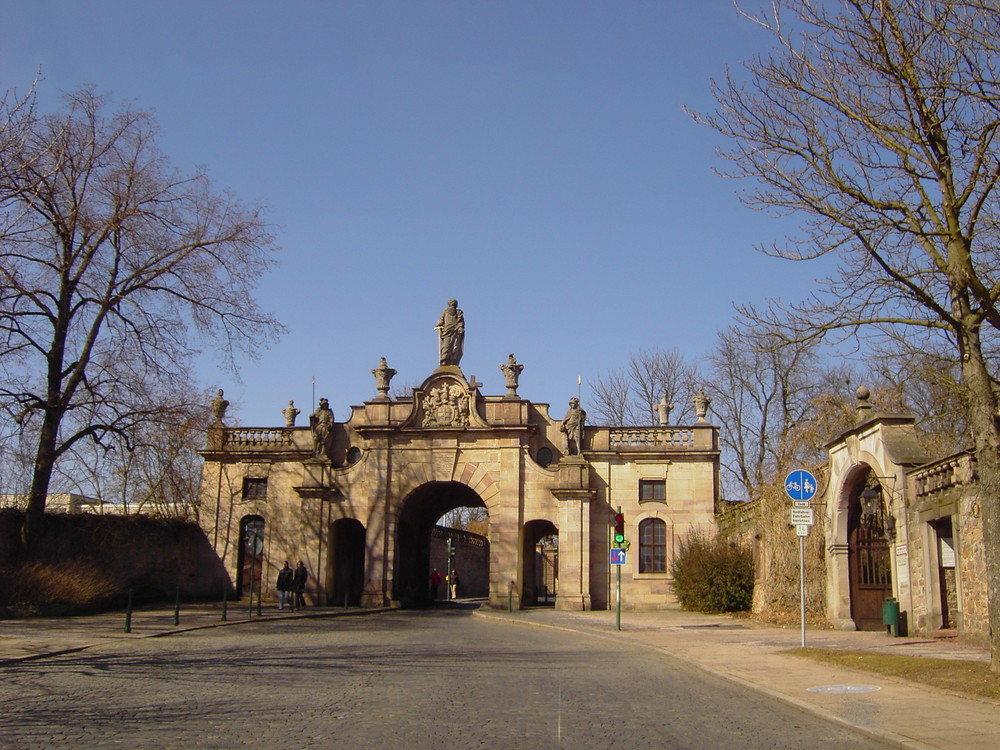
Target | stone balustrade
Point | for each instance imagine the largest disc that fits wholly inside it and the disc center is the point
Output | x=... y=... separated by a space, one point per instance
x=258 y=437
x=949 y=472
x=651 y=437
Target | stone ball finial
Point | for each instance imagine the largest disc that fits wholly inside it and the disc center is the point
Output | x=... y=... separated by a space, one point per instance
x=864 y=407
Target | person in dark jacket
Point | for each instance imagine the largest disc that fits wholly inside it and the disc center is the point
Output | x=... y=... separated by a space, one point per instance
x=299 y=585
x=285 y=584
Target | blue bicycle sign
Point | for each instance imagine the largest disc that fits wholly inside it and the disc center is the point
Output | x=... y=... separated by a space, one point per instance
x=800 y=485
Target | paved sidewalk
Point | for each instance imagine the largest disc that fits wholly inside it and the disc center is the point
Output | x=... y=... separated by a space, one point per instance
x=910 y=715
x=38 y=637
x=749 y=653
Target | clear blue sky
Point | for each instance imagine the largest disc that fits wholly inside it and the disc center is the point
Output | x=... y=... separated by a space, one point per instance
x=530 y=159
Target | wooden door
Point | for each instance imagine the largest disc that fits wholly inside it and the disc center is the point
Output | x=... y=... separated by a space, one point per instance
x=869 y=565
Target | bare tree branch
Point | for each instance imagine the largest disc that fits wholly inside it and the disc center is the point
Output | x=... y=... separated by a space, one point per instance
x=113 y=269
x=875 y=123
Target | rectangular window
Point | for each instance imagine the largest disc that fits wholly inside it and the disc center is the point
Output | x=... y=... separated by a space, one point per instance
x=652 y=490
x=254 y=488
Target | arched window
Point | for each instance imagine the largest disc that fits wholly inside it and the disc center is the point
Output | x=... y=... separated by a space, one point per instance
x=652 y=546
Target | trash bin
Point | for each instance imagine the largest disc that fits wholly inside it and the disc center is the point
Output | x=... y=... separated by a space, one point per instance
x=890 y=616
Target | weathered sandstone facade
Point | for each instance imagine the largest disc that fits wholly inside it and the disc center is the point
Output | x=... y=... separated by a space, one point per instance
x=360 y=512
x=902 y=527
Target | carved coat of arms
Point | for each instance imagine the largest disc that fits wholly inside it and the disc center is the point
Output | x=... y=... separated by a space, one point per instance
x=446 y=405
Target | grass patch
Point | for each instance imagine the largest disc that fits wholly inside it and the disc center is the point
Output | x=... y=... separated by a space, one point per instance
x=960 y=676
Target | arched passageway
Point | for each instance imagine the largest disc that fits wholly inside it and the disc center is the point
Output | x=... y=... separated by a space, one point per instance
x=346 y=573
x=250 y=559
x=868 y=560
x=418 y=514
x=540 y=553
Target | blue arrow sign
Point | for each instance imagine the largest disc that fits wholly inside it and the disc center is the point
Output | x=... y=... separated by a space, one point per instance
x=800 y=485
x=617 y=557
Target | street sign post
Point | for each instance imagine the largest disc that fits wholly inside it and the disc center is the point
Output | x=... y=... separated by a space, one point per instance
x=800 y=486
x=803 y=516
x=618 y=559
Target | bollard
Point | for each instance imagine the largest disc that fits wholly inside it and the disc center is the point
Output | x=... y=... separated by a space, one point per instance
x=128 y=613
x=250 y=602
x=177 y=606
x=510 y=597
x=225 y=601
x=260 y=593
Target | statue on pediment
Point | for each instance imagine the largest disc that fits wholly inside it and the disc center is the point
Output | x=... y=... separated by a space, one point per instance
x=572 y=428
x=451 y=334
x=321 y=424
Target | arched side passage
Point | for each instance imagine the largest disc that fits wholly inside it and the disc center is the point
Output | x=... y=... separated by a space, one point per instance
x=346 y=562
x=540 y=572
x=250 y=559
x=859 y=575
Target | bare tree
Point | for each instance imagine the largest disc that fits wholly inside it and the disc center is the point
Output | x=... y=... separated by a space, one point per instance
x=467 y=518
x=760 y=393
x=156 y=470
x=876 y=121
x=629 y=395
x=113 y=267
x=612 y=394
x=928 y=380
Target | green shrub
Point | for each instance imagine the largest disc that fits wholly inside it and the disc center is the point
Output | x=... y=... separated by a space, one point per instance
x=712 y=574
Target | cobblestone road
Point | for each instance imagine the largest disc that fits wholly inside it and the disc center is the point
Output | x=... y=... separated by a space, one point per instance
x=429 y=679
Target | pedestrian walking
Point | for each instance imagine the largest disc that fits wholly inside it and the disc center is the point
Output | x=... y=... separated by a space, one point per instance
x=284 y=585
x=454 y=584
x=299 y=585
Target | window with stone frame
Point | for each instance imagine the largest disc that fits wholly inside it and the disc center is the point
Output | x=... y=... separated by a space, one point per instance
x=652 y=490
x=652 y=546
x=254 y=488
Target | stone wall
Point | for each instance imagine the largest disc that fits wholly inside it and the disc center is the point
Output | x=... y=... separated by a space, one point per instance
x=974 y=605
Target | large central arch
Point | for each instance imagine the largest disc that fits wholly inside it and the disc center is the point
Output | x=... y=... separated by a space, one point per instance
x=418 y=513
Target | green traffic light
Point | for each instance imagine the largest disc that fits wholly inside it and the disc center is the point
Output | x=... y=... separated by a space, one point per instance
x=619 y=535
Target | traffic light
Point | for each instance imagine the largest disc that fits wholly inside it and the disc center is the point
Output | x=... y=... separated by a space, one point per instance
x=619 y=537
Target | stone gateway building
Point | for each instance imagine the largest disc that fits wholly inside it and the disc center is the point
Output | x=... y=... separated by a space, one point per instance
x=358 y=500
x=903 y=530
